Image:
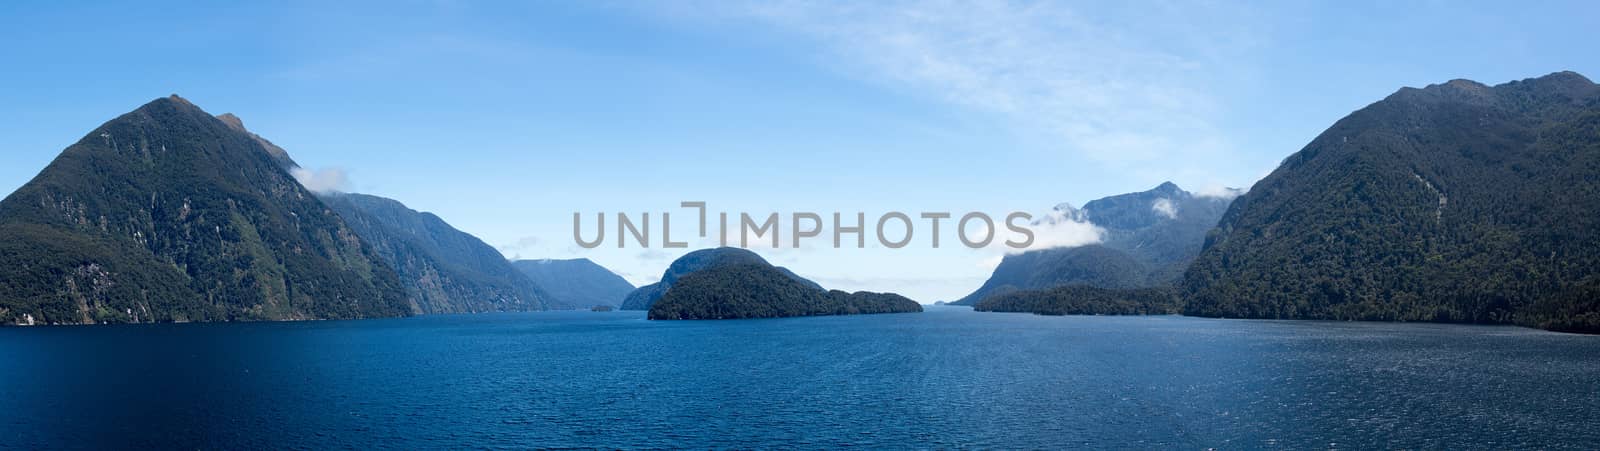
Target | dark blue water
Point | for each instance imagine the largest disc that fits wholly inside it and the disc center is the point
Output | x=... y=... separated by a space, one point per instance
x=948 y=378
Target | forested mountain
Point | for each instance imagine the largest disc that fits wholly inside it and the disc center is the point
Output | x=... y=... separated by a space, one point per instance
x=169 y=214
x=645 y=296
x=1085 y=300
x=1456 y=202
x=759 y=290
x=443 y=269
x=1149 y=238
x=575 y=284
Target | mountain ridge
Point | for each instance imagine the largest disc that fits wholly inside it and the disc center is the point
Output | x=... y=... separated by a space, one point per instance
x=443 y=269
x=576 y=283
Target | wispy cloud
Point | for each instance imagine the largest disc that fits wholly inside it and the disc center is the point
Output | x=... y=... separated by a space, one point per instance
x=1121 y=85
x=514 y=250
x=322 y=180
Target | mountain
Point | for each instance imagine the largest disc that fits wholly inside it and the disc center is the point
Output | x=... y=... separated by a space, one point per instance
x=444 y=270
x=1457 y=202
x=278 y=154
x=575 y=284
x=645 y=296
x=1084 y=300
x=760 y=290
x=1149 y=239
x=167 y=213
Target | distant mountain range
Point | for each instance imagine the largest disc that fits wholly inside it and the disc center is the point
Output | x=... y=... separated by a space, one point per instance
x=576 y=284
x=169 y=214
x=1457 y=202
x=646 y=296
x=731 y=283
x=1149 y=239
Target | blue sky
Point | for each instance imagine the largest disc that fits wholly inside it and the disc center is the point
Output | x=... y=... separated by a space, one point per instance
x=505 y=118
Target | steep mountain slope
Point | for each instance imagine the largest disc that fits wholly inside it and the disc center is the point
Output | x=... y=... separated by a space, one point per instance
x=1094 y=264
x=1162 y=228
x=575 y=284
x=443 y=269
x=1457 y=202
x=645 y=296
x=277 y=153
x=1149 y=238
x=168 y=214
x=760 y=290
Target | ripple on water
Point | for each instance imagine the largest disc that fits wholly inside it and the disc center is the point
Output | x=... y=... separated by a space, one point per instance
x=948 y=378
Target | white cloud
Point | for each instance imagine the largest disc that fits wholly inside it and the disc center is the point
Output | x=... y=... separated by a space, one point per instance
x=1119 y=85
x=322 y=180
x=1220 y=192
x=1165 y=207
x=1056 y=230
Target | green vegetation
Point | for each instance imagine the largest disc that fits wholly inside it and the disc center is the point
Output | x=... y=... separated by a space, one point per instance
x=444 y=270
x=646 y=296
x=1085 y=300
x=1455 y=203
x=1093 y=264
x=762 y=291
x=168 y=214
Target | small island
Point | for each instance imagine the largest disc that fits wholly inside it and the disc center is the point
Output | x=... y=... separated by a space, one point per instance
x=1084 y=300
x=759 y=290
x=601 y=308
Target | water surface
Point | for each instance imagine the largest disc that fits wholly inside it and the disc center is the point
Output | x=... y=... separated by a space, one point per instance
x=947 y=378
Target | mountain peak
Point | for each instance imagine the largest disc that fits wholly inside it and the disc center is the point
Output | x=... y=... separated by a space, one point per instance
x=177 y=194
x=172 y=103
x=1567 y=83
x=1457 y=90
x=233 y=121
x=1565 y=77
x=282 y=156
x=1168 y=188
